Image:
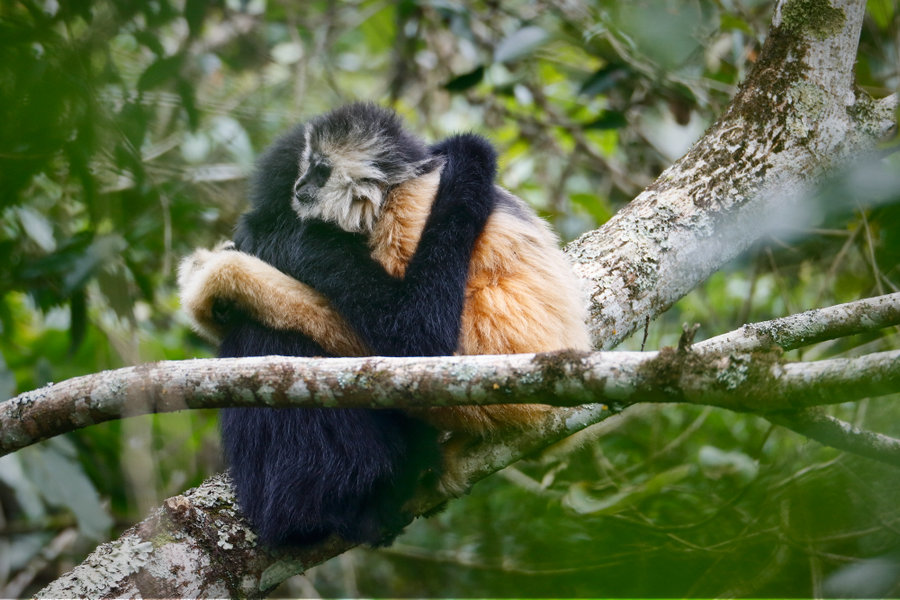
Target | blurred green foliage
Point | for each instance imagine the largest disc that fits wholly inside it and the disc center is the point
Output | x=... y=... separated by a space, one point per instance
x=127 y=130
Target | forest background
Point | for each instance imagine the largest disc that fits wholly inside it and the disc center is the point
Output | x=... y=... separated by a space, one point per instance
x=127 y=131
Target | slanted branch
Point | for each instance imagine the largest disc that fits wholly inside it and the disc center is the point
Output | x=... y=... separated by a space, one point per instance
x=796 y=115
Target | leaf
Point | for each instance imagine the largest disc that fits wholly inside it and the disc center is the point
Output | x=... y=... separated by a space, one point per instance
x=7 y=381
x=881 y=11
x=194 y=11
x=132 y=120
x=117 y=289
x=465 y=81
x=37 y=227
x=104 y=248
x=160 y=72
x=13 y=475
x=730 y=21
x=186 y=91
x=608 y=119
x=520 y=43
x=603 y=79
x=596 y=206
x=150 y=40
x=77 y=319
x=582 y=501
x=26 y=547
x=53 y=468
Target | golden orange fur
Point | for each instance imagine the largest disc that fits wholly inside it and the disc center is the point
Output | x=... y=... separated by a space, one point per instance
x=266 y=294
x=521 y=295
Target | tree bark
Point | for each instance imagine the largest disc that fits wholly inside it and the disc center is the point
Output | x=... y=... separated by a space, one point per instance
x=726 y=371
x=796 y=115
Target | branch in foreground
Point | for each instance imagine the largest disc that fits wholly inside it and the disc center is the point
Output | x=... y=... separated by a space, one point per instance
x=163 y=555
x=795 y=331
x=744 y=382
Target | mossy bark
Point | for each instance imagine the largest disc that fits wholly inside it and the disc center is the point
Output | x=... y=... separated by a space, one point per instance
x=797 y=115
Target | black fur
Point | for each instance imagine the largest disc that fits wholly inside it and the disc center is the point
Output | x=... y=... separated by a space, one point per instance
x=302 y=474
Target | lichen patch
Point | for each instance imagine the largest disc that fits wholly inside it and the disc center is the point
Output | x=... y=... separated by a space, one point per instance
x=817 y=18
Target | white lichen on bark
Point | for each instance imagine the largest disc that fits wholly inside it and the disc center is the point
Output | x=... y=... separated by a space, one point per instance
x=104 y=572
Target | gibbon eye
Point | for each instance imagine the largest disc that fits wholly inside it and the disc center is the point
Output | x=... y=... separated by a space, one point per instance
x=319 y=173
x=314 y=178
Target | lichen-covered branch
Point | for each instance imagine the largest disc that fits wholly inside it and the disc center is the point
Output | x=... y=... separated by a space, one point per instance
x=197 y=545
x=379 y=382
x=828 y=430
x=730 y=380
x=797 y=114
x=807 y=328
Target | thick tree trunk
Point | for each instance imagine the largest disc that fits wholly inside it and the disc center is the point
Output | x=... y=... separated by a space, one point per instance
x=796 y=115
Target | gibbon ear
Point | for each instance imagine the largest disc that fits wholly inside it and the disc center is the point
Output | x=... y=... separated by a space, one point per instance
x=428 y=165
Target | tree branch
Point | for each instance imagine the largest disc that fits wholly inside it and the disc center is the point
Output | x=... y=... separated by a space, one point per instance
x=728 y=380
x=378 y=382
x=810 y=327
x=204 y=526
x=796 y=115
x=839 y=434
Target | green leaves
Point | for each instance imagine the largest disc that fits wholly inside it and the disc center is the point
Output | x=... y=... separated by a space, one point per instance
x=162 y=71
x=55 y=480
x=603 y=80
x=37 y=228
x=465 y=81
x=881 y=11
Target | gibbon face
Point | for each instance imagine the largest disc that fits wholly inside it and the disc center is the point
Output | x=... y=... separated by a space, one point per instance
x=351 y=159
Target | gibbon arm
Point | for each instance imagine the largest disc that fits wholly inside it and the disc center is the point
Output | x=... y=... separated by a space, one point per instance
x=264 y=294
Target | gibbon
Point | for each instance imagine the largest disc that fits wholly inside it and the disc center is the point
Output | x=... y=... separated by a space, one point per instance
x=302 y=474
x=521 y=295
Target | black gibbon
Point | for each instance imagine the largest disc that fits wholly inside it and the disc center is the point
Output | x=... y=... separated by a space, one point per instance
x=302 y=474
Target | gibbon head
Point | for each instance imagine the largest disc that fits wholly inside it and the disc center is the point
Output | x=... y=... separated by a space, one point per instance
x=351 y=158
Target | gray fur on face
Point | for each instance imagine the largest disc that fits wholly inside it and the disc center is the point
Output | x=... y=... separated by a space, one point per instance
x=368 y=152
